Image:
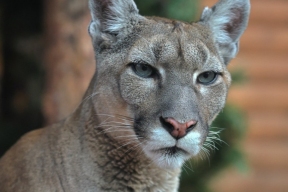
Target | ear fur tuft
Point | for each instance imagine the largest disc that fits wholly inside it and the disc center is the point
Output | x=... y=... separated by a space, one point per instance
x=113 y=17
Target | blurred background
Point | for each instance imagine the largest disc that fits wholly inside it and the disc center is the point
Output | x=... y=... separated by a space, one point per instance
x=47 y=61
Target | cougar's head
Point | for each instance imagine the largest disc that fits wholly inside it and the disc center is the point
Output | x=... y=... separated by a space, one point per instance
x=169 y=78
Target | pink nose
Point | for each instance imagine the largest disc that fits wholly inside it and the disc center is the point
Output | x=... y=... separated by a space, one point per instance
x=179 y=130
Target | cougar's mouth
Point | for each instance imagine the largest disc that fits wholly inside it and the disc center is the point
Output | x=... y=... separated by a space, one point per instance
x=172 y=151
x=164 y=150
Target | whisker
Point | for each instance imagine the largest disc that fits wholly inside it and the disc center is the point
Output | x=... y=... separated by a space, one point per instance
x=111 y=131
x=126 y=136
x=190 y=163
x=122 y=117
x=205 y=153
x=184 y=168
x=115 y=122
x=133 y=147
x=120 y=126
x=212 y=139
x=88 y=97
x=131 y=141
x=187 y=167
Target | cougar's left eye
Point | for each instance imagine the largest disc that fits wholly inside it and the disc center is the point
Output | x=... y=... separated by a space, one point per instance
x=207 y=77
x=143 y=70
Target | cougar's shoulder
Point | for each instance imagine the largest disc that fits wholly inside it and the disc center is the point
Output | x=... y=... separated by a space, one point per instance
x=31 y=161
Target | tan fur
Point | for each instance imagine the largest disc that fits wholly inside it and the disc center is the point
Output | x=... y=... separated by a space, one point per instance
x=115 y=140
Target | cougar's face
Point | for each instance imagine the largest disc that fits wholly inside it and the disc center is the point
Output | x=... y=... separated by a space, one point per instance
x=173 y=83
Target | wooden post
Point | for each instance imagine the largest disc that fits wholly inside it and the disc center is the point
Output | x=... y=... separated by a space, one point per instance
x=69 y=58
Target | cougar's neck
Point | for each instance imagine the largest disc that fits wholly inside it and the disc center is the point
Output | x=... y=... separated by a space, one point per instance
x=120 y=163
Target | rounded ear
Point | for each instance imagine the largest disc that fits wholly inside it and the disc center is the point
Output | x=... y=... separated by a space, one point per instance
x=227 y=20
x=112 y=18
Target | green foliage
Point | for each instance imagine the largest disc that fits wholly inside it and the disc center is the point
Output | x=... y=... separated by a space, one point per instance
x=185 y=10
x=239 y=76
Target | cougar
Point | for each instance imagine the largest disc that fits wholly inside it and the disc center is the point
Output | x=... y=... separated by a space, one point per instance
x=158 y=86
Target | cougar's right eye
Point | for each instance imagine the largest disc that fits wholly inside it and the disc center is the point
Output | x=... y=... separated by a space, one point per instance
x=143 y=70
x=207 y=77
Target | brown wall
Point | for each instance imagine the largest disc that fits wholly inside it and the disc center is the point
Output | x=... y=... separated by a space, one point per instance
x=264 y=58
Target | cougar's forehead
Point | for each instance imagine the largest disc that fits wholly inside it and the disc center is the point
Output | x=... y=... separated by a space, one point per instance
x=175 y=43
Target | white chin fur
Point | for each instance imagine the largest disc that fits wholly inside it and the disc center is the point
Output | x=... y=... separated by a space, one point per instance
x=167 y=161
x=161 y=139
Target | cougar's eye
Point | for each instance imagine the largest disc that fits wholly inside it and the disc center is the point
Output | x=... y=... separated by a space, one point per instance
x=143 y=70
x=207 y=77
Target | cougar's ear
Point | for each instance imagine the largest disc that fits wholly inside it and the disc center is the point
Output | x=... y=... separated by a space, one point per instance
x=227 y=20
x=112 y=19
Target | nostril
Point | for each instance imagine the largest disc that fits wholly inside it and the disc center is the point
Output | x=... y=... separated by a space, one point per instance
x=191 y=126
x=168 y=126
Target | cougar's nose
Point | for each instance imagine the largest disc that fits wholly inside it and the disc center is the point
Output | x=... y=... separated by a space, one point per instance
x=177 y=129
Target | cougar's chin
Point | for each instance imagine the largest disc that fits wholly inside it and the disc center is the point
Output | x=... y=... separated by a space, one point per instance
x=167 y=152
x=168 y=158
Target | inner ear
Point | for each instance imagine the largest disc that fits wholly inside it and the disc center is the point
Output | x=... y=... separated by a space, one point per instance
x=104 y=4
x=104 y=10
x=99 y=8
x=234 y=25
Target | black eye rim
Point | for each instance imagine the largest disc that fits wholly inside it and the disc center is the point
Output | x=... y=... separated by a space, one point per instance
x=216 y=75
x=154 y=73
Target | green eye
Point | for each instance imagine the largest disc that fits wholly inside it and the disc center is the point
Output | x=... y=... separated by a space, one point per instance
x=207 y=77
x=143 y=70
